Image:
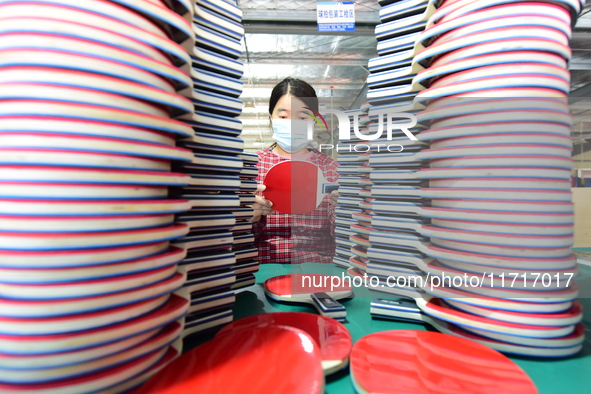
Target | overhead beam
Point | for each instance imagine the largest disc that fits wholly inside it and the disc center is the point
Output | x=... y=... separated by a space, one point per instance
x=579 y=94
x=348 y=84
x=278 y=60
x=583 y=23
x=579 y=65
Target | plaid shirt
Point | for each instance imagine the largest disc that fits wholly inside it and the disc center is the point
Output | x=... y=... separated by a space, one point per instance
x=308 y=238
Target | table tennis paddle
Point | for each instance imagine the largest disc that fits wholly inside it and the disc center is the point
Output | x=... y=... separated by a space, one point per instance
x=45 y=373
x=59 y=273
x=508 y=330
x=218 y=298
x=569 y=317
x=480 y=242
x=174 y=351
x=116 y=11
x=20 y=344
x=68 y=126
x=78 y=95
x=216 y=62
x=496 y=75
x=101 y=380
x=461 y=14
x=178 y=28
x=440 y=69
x=520 y=118
x=481 y=85
x=68 y=158
x=61 y=205
x=90 y=63
x=398 y=21
x=69 y=28
x=548 y=33
x=296 y=187
x=412 y=361
x=243 y=281
x=228 y=364
x=67 y=241
x=215 y=82
x=453 y=11
x=217 y=144
x=214 y=123
x=206 y=37
x=12 y=223
x=55 y=325
x=489 y=275
x=536 y=347
x=475 y=263
x=29 y=290
x=93 y=113
x=416 y=75
x=62 y=12
x=200 y=322
x=204 y=100
x=19 y=40
x=246 y=267
x=218 y=21
x=198 y=241
x=59 y=308
x=50 y=174
x=505 y=224
x=355 y=272
x=75 y=143
x=60 y=359
x=69 y=85
x=315 y=289
x=332 y=338
x=478 y=194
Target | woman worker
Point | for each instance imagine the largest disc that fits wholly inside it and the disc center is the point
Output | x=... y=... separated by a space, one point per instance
x=301 y=238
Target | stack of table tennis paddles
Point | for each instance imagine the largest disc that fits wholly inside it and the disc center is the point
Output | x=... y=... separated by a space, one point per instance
x=98 y=122
x=220 y=253
x=478 y=207
x=351 y=186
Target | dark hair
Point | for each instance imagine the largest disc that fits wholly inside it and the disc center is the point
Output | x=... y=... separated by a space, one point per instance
x=297 y=88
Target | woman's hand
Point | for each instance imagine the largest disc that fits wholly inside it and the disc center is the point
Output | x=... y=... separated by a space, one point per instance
x=261 y=205
x=334 y=196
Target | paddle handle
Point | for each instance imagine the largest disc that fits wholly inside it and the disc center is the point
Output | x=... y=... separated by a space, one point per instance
x=404 y=310
x=391 y=241
x=328 y=306
x=328 y=188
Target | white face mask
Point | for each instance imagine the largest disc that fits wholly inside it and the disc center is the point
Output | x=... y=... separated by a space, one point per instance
x=291 y=139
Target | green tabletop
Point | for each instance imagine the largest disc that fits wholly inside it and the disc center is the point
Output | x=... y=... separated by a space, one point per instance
x=570 y=375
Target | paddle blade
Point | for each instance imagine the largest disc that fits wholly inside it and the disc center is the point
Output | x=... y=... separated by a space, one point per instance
x=409 y=361
x=292 y=186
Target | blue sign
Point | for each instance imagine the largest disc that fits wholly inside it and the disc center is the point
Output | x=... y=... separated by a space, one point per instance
x=336 y=16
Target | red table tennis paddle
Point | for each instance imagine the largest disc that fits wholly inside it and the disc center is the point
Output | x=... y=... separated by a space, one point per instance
x=408 y=361
x=269 y=359
x=322 y=291
x=332 y=337
x=563 y=346
x=296 y=187
x=41 y=373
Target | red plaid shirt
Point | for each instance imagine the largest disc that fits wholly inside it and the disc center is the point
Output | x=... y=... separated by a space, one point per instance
x=308 y=238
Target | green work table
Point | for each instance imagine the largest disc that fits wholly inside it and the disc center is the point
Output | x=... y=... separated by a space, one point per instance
x=570 y=375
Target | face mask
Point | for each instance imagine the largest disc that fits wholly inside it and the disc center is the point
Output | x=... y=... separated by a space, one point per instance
x=290 y=139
